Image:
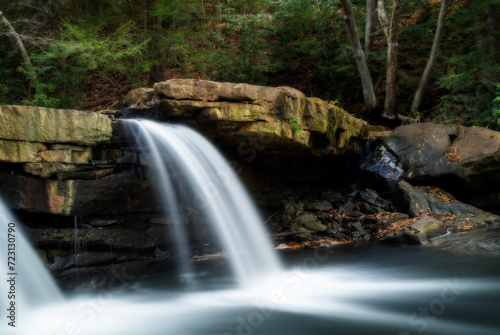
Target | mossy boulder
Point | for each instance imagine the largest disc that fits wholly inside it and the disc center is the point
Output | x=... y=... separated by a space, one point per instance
x=291 y=123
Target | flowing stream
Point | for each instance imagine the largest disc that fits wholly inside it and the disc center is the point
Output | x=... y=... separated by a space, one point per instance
x=437 y=290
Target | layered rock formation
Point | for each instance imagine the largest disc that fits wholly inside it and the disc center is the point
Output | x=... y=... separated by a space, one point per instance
x=62 y=162
x=281 y=118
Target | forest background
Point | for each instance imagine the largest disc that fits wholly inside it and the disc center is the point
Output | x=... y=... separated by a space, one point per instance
x=87 y=54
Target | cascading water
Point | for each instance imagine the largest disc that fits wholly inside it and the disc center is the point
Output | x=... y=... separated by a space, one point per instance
x=219 y=193
x=33 y=284
x=363 y=290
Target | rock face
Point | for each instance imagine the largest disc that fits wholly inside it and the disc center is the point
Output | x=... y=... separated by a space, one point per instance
x=63 y=162
x=43 y=125
x=466 y=159
x=282 y=118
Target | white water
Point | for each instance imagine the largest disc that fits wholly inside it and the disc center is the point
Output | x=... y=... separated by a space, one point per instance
x=219 y=194
x=378 y=292
x=34 y=285
x=329 y=300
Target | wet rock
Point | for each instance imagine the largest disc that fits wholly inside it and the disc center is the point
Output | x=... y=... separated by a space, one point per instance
x=81 y=260
x=293 y=209
x=385 y=221
x=384 y=165
x=111 y=276
x=467 y=160
x=359 y=228
x=332 y=197
x=428 y=227
x=368 y=209
x=355 y=214
x=427 y=199
x=160 y=254
x=117 y=193
x=310 y=221
x=373 y=198
x=401 y=237
x=317 y=205
x=102 y=223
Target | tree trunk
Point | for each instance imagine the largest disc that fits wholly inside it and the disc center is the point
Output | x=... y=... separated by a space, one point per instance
x=417 y=100
x=359 y=56
x=370 y=22
x=382 y=17
x=20 y=45
x=392 y=63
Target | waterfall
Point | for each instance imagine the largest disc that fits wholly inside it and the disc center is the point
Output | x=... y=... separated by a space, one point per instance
x=180 y=151
x=33 y=284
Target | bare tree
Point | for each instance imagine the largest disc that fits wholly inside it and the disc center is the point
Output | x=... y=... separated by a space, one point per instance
x=417 y=100
x=359 y=56
x=11 y=32
x=392 y=63
x=382 y=17
x=370 y=23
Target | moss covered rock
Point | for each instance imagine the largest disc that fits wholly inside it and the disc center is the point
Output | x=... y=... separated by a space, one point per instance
x=291 y=122
x=45 y=125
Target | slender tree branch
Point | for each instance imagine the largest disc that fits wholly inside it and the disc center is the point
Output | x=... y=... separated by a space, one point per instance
x=431 y=62
x=20 y=45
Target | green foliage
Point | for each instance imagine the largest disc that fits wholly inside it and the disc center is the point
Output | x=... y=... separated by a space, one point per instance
x=10 y=83
x=79 y=49
x=300 y=43
x=468 y=83
x=295 y=125
x=496 y=108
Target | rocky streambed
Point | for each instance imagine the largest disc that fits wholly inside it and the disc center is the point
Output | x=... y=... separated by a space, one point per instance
x=82 y=188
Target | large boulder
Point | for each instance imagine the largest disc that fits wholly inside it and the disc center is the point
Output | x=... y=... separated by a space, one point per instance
x=282 y=119
x=466 y=160
x=433 y=201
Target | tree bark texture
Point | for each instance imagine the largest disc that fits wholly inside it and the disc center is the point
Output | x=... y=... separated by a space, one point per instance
x=359 y=56
x=392 y=63
x=417 y=100
x=370 y=23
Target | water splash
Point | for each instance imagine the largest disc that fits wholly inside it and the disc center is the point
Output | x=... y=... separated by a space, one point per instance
x=218 y=193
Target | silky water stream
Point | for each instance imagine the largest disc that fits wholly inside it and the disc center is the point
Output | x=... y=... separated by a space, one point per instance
x=442 y=290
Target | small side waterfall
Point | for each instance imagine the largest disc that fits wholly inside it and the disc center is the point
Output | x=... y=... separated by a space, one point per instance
x=32 y=284
x=218 y=192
